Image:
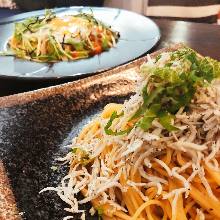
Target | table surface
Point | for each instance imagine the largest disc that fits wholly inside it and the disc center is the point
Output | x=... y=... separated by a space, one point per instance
x=204 y=38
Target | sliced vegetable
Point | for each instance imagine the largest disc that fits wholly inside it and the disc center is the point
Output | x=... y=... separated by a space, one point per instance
x=51 y=38
x=109 y=131
x=150 y=114
x=170 y=87
x=165 y=120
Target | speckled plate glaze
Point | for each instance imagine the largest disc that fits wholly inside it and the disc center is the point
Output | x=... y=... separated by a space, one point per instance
x=35 y=127
x=138 y=34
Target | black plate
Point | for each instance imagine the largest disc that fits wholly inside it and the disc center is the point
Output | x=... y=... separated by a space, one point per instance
x=138 y=35
x=35 y=126
x=34 y=129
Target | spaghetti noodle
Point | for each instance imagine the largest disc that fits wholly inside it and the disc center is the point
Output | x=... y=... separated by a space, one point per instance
x=52 y=38
x=135 y=162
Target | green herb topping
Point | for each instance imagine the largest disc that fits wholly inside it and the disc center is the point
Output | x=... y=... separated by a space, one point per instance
x=171 y=86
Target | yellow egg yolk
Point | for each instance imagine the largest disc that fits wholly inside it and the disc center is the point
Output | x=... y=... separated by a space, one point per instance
x=69 y=24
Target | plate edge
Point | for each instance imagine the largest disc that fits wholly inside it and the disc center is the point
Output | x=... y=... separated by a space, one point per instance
x=8 y=208
x=26 y=97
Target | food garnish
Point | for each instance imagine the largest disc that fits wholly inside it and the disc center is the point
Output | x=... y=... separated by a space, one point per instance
x=157 y=156
x=51 y=38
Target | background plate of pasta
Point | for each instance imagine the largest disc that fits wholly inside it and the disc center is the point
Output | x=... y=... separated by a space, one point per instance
x=72 y=42
x=147 y=151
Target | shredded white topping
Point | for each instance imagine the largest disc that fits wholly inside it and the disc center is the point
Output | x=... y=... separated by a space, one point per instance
x=197 y=139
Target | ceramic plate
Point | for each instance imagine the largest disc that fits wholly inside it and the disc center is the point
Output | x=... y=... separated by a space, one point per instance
x=138 y=35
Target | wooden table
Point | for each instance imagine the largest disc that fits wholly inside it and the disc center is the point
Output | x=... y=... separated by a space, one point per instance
x=205 y=38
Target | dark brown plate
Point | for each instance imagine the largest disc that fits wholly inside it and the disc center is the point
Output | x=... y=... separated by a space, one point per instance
x=34 y=128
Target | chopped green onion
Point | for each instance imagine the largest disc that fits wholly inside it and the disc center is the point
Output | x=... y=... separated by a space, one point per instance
x=109 y=131
x=170 y=88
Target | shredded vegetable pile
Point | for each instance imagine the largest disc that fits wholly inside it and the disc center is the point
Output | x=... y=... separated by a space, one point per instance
x=157 y=156
x=51 y=38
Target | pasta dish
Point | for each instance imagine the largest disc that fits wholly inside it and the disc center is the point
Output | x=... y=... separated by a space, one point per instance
x=51 y=38
x=157 y=155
